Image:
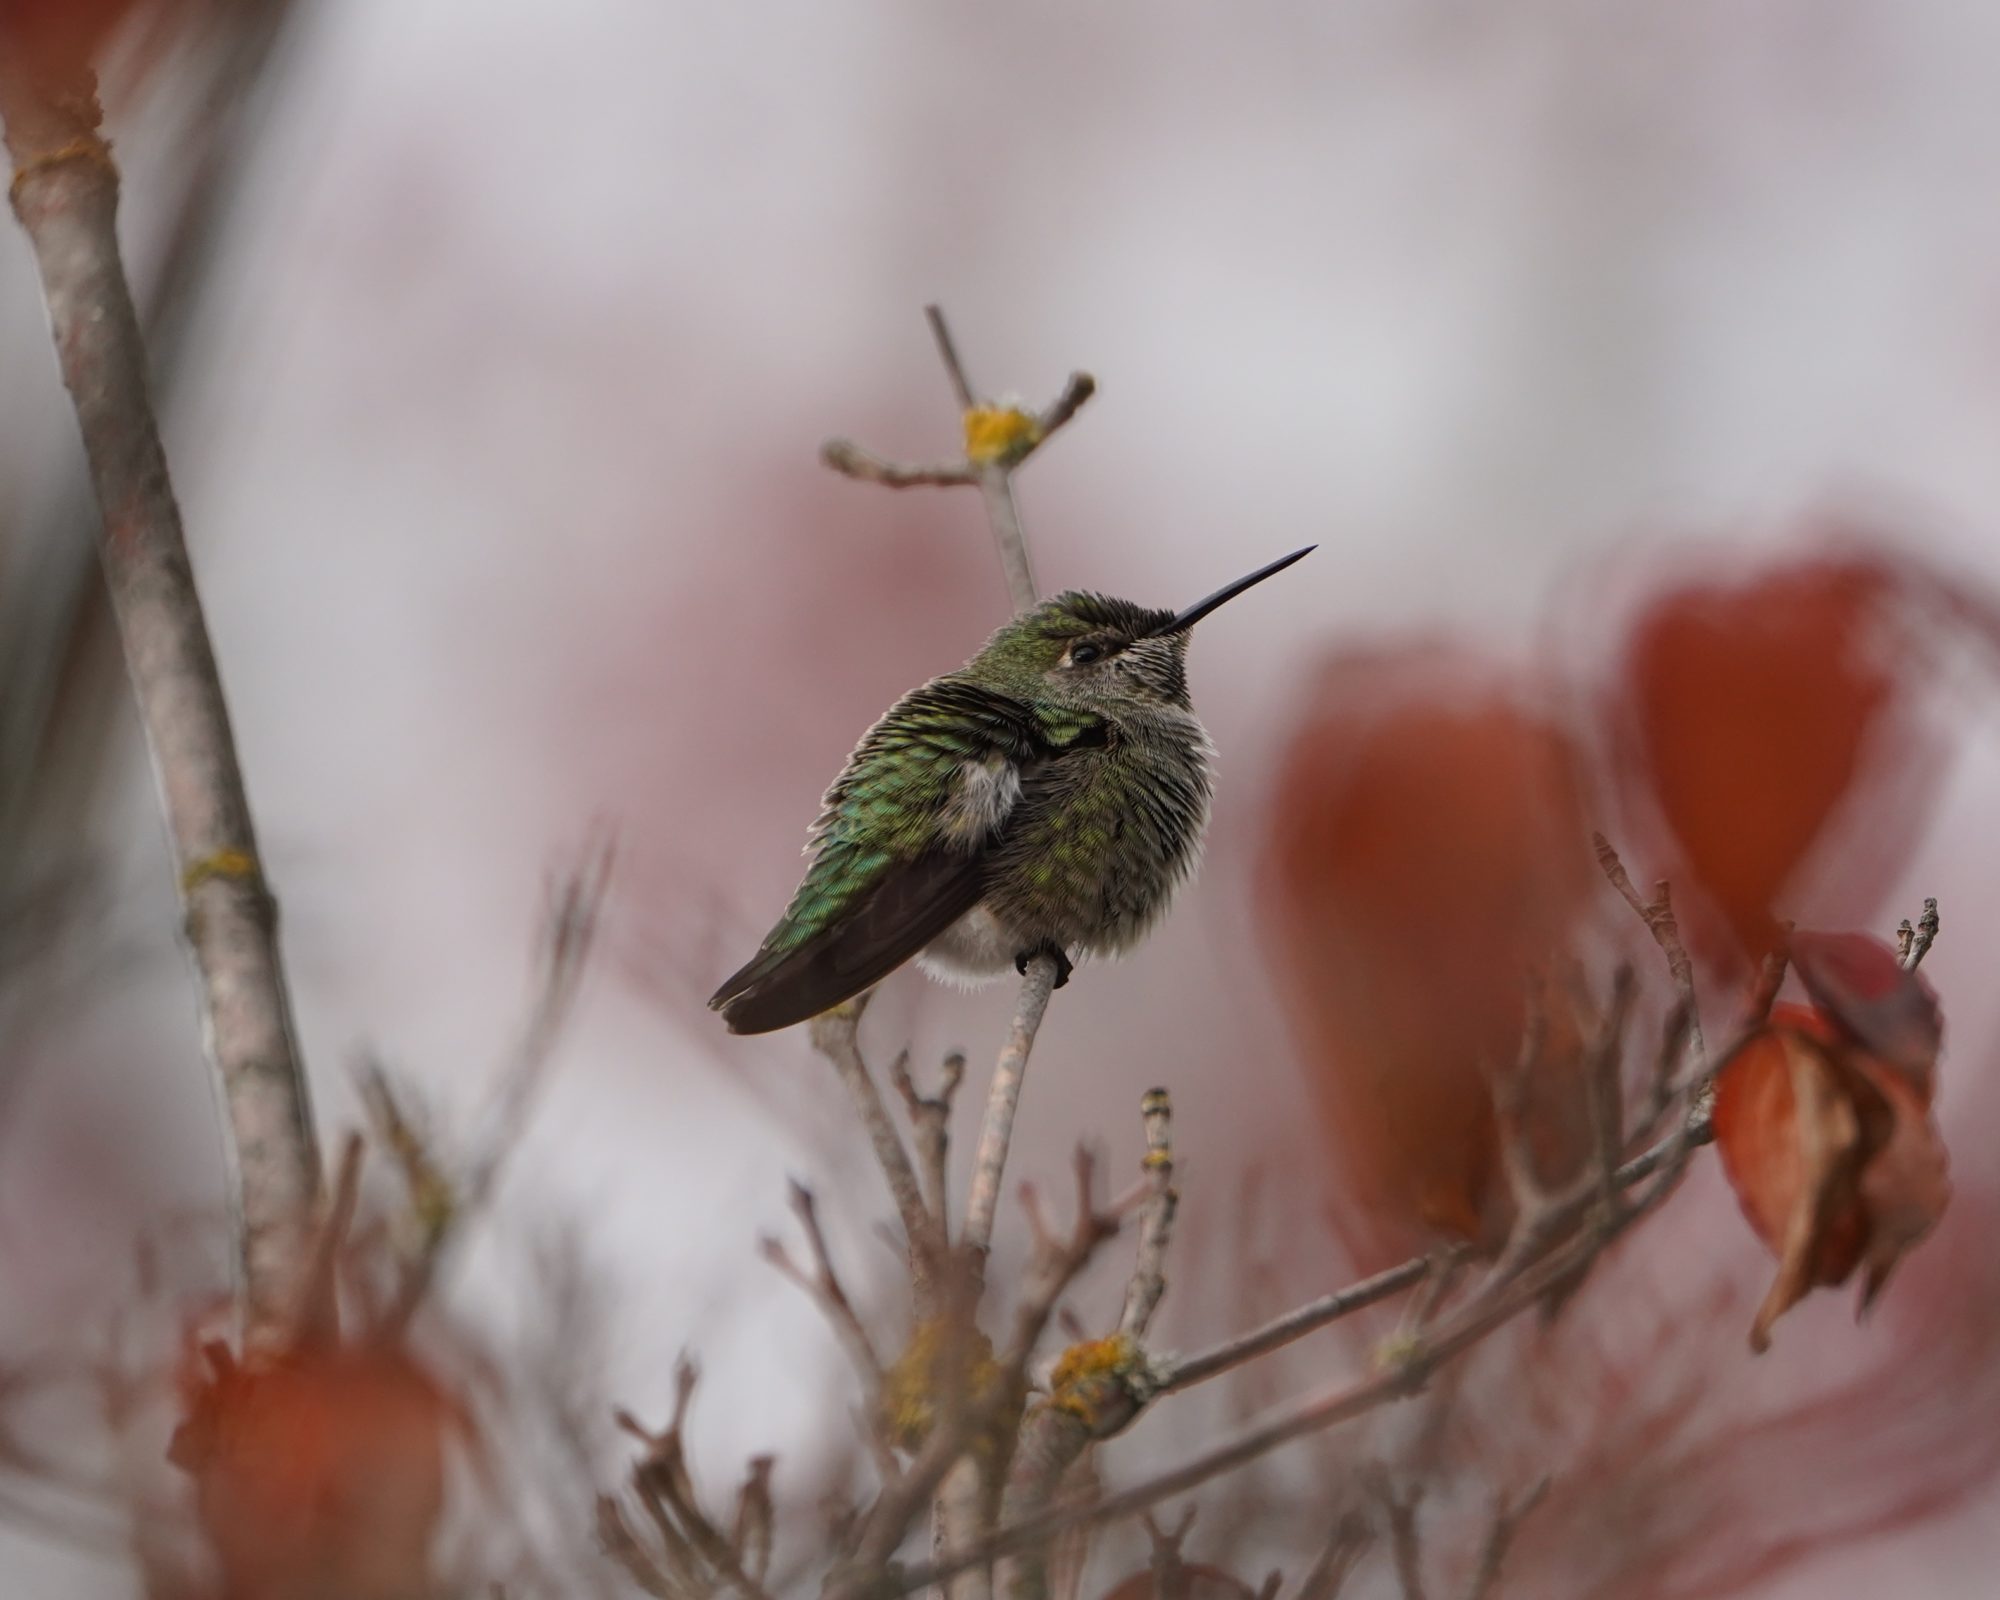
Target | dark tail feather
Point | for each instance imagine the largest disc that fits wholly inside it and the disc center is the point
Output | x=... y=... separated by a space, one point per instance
x=774 y=991
x=912 y=904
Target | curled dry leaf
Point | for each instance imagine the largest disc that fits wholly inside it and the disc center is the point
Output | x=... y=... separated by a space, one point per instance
x=319 y=1474
x=1833 y=1155
x=1752 y=710
x=1425 y=856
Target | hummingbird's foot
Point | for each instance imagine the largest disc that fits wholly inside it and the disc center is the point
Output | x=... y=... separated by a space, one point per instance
x=1064 y=966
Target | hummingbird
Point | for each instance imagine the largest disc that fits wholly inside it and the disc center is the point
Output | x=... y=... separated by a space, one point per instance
x=1048 y=797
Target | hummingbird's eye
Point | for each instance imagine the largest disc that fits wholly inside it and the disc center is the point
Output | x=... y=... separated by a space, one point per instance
x=1085 y=653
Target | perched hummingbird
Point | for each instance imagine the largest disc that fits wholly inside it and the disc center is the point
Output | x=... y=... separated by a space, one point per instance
x=1049 y=796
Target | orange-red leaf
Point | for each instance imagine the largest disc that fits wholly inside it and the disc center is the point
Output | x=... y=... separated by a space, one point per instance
x=1833 y=1156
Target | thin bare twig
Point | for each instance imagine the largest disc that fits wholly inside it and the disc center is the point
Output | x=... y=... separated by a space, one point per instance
x=835 y=1035
x=698 y=1555
x=65 y=192
x=1399 y=1509
x=989 y=1162
x=1337 y=1558
x=1605 y=1092
x=824 y=1285
x=851 y=461
x=1295 y=1324
x=930 y=1125
x=1658 y=915
x=440 y=1204
x=1916 y=942
x=1500 y=1533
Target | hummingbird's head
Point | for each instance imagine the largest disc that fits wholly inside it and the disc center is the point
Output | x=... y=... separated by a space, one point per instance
x=1093 y=649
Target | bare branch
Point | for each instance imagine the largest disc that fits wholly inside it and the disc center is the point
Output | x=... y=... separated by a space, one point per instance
x=1497 y=1304
x=835 y=1035
x=1295 y=1324
x=1399 y=1508
x=1921 y=938
x=961 y=385
x=698 y=1555
x=851 y=461
x=1149 y=1268
x=989 y=1162
x=441 y=1207
x=1500 y=1533
x=1658 y=915
x=1337 y=1558
x=65 y=191
x=824 y=1285
x=1605 y=1091
x=930 y=1124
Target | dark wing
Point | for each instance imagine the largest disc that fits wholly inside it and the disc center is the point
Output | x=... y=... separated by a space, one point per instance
x=903 y=909
x=886 y=877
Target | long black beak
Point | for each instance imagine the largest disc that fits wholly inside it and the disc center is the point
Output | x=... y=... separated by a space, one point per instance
x=1201 y=608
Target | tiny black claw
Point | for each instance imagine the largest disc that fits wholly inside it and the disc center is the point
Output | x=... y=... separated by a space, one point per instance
x=1064 y=966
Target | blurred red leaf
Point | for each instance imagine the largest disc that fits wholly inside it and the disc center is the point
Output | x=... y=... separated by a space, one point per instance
x=1424 y=858
x=319 y=1474
x=1833 y=1156
x=1755 y=706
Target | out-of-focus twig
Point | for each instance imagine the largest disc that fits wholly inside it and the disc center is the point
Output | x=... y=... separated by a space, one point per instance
x=441 y=1203
x=694 y=1558
x=1506 y=1522
x=64 y=192
x=825 y=1287
x=1337 y=1558
x=1400 y=1506
x=1658 y=915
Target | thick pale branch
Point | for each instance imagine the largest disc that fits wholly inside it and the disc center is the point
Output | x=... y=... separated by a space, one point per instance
x=1148 y=1284
x=64 y=192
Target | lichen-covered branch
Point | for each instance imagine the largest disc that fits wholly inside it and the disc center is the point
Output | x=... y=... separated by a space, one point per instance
x=65 y=193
